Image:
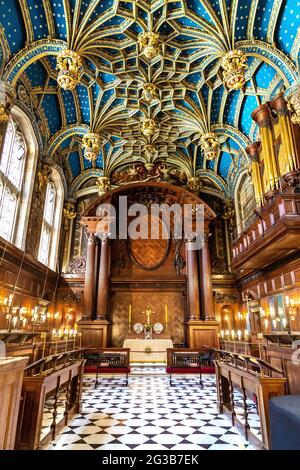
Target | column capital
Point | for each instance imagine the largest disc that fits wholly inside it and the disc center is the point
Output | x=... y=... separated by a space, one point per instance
x=262 y=116
x=103 y=237
x=92 y=238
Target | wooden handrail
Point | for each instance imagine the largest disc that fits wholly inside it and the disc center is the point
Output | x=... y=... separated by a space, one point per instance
x=258 y=363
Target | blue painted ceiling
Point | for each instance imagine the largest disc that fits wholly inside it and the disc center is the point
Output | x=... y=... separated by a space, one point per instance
x=105 y=34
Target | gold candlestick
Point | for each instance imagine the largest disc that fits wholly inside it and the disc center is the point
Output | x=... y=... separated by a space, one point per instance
x=129 y=318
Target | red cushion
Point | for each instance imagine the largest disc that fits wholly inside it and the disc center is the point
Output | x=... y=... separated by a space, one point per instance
x=190 y=370
x=108 y=370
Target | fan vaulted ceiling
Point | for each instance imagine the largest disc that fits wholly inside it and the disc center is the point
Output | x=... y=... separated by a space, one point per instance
x=191 y=97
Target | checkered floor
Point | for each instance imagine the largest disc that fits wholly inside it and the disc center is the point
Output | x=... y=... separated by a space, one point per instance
x=149 y=414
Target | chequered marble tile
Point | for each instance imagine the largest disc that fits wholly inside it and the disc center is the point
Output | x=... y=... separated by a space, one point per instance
x=151 y=415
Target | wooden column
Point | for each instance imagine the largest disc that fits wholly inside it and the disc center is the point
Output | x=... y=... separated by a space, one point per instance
x=89 y=283
x=206 y=281
x=103 y=279
x=193 y=281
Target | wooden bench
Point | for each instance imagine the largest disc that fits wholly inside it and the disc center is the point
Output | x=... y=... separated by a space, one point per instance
x=108 y=361
x=250 y=376
x=50 y=383
x=187 y=361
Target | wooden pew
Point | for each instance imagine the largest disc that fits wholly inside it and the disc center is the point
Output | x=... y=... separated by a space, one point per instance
x=188 y=361
x=45 y=379
x=252 y=376
x=108 y=361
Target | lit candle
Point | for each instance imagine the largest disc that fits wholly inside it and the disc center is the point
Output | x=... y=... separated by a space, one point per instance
x=233 y=334
x=24 y=322
x=246 y=334
x=239 y=333
x=227 y=333
x=274 y=324
x=53 y=333
x=222 y=334
x=266 y=322
x=15 y=319
x=129 y=315
x=284 y=323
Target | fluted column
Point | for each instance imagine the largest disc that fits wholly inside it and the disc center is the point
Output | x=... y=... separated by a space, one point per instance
x=193 y=281
x=262 y=117
x=206 y=281
x=252 y=151
x=287 y=136
x=89 y=283
x=103 y=279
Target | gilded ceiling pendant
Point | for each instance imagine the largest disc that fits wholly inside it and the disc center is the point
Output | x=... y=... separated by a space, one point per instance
x=294 y=104
x=150 y=44
x=234 y=66
x=194 y=184
x=69 y=66
x=149 y=127
x=91 y=145
x=150 y=92
x=7 y=99
x=210 y=145
x=151 y=154
x=103 y=184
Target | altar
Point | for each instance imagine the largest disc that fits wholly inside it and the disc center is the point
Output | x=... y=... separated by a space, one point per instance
x=148 y=350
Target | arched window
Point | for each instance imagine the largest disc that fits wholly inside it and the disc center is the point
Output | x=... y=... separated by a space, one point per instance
x=18 y=161
x=12 y=166
x=48 y=224
x=51 y=223
x=244 y=202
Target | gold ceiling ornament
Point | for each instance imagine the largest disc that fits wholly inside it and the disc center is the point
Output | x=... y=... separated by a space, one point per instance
x=234 y=66
x=151 y=154
x=7 y=99
x=150 y=92
x=194 y=184
x=69 y=66
x=294 y=105
x=69 y=214
x=150 y=44
x=103 y=184
x=91 y=146
x=149 y=127
x=210 y=145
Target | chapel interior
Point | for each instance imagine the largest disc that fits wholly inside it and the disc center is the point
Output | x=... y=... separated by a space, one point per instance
x=114 y=343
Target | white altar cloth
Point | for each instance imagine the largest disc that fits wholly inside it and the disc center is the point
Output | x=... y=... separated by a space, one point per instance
x=148 y=350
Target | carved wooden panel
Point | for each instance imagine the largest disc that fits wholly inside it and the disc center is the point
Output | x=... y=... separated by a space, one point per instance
x=120 y=302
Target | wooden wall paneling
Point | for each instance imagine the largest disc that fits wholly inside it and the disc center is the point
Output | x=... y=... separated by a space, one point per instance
x=139 y=300
x=11 y=376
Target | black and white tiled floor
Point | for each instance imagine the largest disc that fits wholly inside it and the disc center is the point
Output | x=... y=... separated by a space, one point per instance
x=149 y=414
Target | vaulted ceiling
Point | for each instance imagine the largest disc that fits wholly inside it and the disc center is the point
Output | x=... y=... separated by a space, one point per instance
x=191 y=99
